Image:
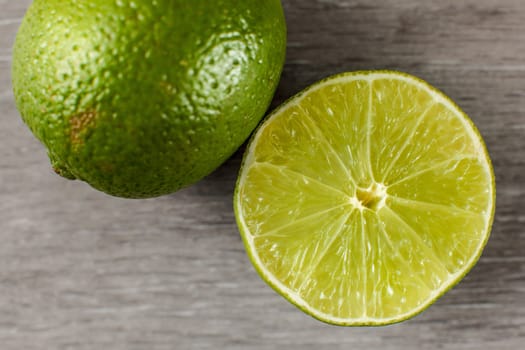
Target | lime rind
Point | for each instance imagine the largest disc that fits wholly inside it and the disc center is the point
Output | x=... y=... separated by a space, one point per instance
x=453 y=279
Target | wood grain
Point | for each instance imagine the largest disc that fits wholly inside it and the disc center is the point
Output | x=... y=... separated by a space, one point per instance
x=81 y=270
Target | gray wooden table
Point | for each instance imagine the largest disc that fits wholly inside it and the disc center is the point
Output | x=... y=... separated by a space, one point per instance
x=82 y=270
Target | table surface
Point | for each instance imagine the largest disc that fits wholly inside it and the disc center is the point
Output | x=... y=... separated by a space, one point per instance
x=82 y=270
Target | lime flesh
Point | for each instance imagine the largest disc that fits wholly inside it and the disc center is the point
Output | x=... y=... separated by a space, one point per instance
x=365 y=198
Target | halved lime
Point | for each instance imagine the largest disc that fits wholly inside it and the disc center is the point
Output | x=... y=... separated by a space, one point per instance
x=365 y=197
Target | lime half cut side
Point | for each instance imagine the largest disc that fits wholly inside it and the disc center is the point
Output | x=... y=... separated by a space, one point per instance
x=365 y=198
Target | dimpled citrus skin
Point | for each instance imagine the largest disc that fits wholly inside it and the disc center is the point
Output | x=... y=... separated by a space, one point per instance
x=141 y=98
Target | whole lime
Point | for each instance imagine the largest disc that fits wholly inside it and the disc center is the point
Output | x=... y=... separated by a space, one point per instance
x=140 y=98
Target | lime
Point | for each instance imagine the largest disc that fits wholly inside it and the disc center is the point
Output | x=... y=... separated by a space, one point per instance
x=365 y=198
x=140 y=98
